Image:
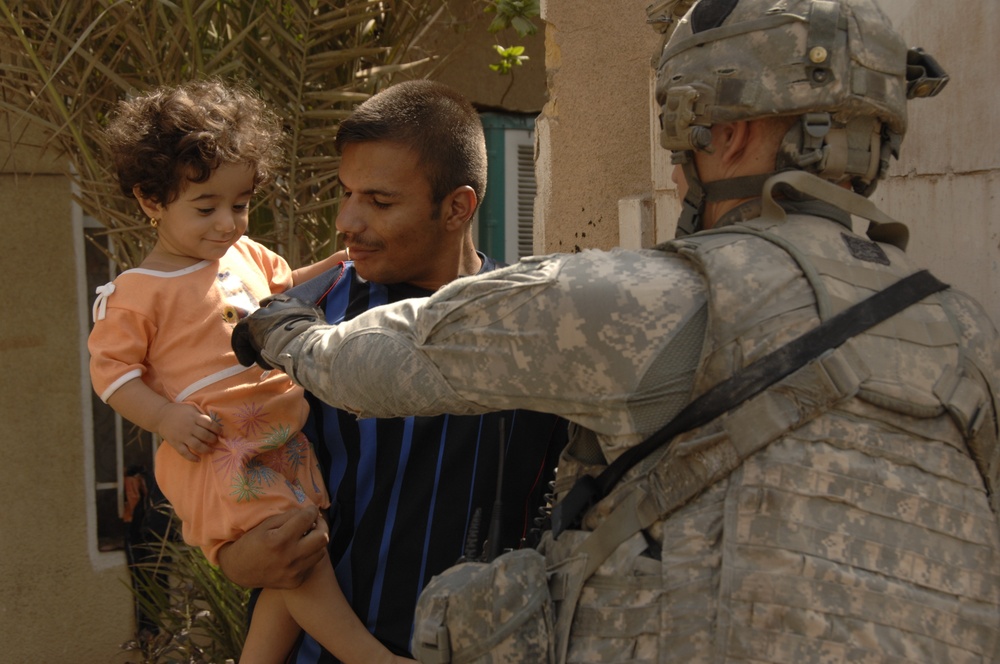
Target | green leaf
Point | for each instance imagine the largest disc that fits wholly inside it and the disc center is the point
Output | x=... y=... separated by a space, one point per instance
x=523 y=26
x=497 y=24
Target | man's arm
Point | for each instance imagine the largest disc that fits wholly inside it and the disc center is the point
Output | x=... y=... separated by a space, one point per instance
x=278 y=553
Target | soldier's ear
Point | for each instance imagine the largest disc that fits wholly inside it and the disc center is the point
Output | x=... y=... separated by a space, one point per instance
x=732 y=140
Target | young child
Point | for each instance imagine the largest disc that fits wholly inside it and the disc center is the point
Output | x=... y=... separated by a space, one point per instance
x=193 y=156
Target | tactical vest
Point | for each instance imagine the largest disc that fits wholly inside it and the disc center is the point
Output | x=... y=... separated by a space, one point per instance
x=841 y=516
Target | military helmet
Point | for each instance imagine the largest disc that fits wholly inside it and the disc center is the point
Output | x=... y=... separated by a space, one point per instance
x=838 y=64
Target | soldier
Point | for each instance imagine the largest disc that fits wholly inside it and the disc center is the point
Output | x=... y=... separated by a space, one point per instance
x=848 y=513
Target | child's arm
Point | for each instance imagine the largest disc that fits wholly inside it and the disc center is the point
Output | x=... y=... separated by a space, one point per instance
x=184 y=427
x=309 y=271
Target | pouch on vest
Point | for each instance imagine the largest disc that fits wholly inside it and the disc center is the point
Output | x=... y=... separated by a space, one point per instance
x=486 y=613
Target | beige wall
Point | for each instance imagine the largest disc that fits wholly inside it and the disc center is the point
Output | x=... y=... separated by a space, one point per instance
x=949 y=171
x=592 y=137
x=469 y=51
x=60 y=600
x=597 y=154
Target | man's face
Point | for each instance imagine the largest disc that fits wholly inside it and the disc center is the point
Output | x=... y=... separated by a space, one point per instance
x=391 y=228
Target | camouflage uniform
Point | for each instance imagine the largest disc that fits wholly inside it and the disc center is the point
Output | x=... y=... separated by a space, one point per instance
x=863 y=534
x=608 y=339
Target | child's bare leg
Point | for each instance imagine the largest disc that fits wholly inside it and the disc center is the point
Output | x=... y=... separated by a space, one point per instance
x=320 y=608
x=272 y=631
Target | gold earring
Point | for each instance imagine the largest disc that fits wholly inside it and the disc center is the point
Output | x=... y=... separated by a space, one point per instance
x=154 y=222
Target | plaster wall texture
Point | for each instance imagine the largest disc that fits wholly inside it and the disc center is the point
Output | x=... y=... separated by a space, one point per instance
x=598 y=153
x=468 y=50
x=592 y=136
x=57 y=603
x=944 y=185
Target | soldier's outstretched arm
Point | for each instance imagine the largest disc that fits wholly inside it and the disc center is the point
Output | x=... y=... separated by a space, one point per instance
x=576 y=335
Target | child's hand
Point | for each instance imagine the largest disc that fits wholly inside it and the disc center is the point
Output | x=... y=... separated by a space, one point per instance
x=188 y=430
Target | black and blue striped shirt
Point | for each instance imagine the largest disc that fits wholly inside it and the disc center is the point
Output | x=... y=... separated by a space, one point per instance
x=407 y=492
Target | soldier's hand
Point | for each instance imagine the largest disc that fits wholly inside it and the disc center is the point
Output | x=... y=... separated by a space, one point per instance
x=261 y=336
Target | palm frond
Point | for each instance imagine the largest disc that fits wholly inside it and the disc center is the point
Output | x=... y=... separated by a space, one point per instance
x=66 y=65
x=199 y=614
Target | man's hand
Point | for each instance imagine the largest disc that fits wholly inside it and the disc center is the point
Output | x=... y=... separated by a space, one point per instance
x=261 y=336
x=279 y=552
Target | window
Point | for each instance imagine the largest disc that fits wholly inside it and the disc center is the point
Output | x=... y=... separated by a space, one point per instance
x=112 y=444
x=520 y=198
x=505 y=223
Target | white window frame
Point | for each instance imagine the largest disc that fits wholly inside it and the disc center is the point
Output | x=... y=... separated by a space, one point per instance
x=99 y=559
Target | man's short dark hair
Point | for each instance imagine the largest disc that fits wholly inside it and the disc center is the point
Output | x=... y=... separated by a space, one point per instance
x=433 y=120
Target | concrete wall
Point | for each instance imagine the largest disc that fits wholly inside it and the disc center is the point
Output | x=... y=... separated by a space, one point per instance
x=593 y=133
x=597 y=153
x=60 y=600
x=468 y=51
x=948 y=174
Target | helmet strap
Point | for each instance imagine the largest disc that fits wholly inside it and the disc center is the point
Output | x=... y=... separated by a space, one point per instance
x=748 y=186
x=856 y=150
x=692 y=217
x=693 y=205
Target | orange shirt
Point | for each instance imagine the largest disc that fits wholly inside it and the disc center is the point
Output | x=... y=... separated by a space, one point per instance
x=172 y=330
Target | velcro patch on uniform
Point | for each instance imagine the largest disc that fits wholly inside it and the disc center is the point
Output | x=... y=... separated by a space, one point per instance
x=710 y=14
x=865 y=250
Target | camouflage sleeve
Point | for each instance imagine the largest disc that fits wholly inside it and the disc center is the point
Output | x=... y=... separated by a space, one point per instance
x=577 y=335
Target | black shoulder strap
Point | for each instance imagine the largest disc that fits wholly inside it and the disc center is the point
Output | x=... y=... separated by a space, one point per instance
x=746 y=383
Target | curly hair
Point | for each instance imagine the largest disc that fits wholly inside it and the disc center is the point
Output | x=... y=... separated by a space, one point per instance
x=174 y=134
